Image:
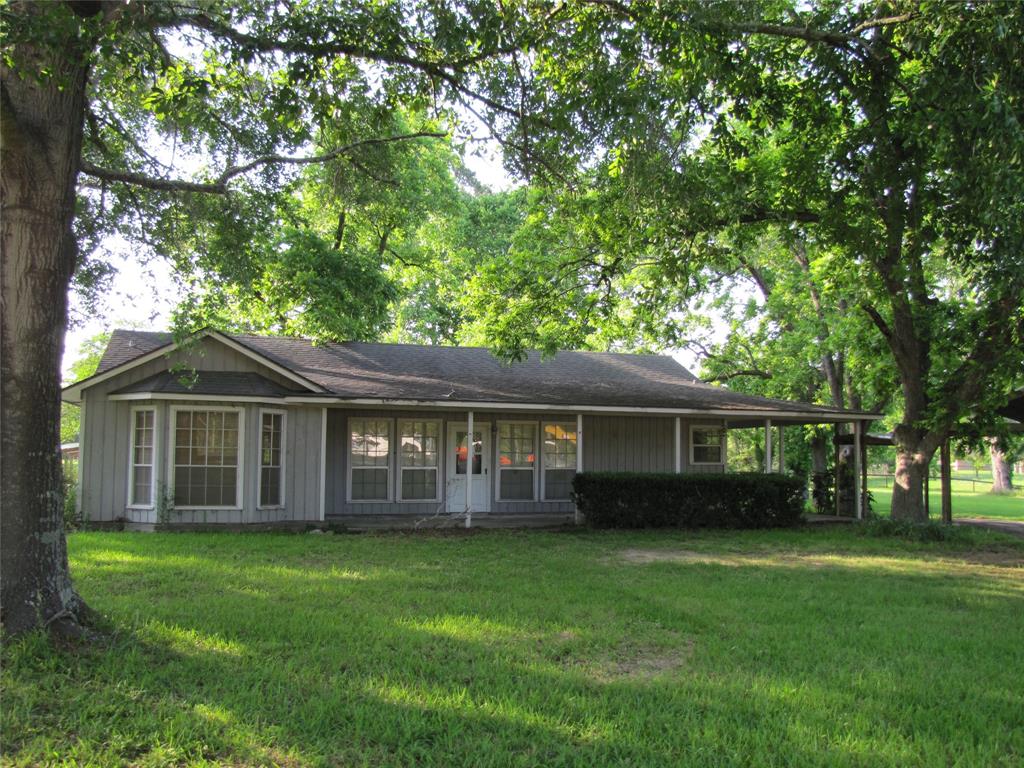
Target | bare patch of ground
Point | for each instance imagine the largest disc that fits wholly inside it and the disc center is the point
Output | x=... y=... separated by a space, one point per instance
x=1000 y=558
x=630 y=660
x=643 y=663
x=644 y=556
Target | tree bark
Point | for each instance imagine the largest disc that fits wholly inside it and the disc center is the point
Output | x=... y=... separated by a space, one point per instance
x=908 y=485
x=40 y=146
x=1002 y=472
x=947 y=483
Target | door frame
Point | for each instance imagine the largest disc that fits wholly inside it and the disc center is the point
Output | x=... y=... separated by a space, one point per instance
x=484 y=427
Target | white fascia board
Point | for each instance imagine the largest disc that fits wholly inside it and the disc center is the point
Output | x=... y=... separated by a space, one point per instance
x=821 y=416
x=278 y=401
x=73 y=392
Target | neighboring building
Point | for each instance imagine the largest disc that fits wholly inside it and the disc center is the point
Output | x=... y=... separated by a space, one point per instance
x=237 y=429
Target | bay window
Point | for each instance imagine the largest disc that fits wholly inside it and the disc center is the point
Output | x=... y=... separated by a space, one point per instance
x=206 y=466
x=141 y=475
x=271 y=459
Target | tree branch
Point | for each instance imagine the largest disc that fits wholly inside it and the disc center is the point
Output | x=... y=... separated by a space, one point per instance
x=220 y=185
x=724 y=377
x=878 y=320
x=305 y=46
x=884 y=22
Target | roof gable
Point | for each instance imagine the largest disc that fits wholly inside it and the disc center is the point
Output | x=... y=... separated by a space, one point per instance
x=127 y=345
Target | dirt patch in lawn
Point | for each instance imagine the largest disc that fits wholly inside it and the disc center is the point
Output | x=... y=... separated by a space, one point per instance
x=630 y=660
x=643 y=663
x=994 y=558
x=644 y=556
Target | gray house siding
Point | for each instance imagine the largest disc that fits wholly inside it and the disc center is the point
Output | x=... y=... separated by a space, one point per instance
x=610 y=443
x=107 y=433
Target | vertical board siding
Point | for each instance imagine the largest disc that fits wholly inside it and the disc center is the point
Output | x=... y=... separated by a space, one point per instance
x=628 y=444
x=106 y=444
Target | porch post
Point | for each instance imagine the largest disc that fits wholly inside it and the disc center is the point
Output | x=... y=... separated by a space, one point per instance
x=767 y=445
x=323 y=462
x=576 y=517
x=782 y=448
x=470 y=453
x=679 y=446
x=857 y=500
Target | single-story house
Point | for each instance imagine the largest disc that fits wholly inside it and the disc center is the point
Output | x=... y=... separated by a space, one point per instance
x=232 y=429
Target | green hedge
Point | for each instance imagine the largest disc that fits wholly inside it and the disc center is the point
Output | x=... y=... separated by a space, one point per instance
x=738 y=500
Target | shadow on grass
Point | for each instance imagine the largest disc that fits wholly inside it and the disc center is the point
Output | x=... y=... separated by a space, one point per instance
x=390 y=651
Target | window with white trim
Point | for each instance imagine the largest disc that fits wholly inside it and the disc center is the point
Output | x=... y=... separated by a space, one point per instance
x=707 y=444
x=206 y=467
x=516 y=461
x=369 y=454
x=143 y=442
x=418 y=451
x=271 y=459
x=559 y=461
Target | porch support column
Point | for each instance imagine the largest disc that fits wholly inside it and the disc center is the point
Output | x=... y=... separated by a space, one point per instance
x=679 y=446
x=470 y=454
x=323 y=462
x=782 y=448
x=767 y=445
x=857 y=498
x=577 y=518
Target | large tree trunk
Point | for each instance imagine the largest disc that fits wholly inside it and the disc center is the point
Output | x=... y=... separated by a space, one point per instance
x=1002 y=477
x=908 y=486
x=41 y=139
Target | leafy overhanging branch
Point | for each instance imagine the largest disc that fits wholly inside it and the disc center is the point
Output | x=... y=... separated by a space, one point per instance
x=220 y=185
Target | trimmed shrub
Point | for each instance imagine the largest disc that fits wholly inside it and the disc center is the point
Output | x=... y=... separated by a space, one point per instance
x=737 y=500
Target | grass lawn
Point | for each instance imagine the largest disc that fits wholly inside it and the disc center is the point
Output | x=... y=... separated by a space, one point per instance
x=969 y=500
x=810 y=647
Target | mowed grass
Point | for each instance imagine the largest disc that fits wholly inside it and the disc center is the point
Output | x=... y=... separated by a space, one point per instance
x=816 y=647
x=969 y=499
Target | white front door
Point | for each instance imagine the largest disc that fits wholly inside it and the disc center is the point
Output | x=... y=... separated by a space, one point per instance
x=456 y=466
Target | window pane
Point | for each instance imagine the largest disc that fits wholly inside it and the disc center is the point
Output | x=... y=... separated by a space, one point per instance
x=369 y=484
x=369 y=442
x=516 y=484
x=707 y=437
x=419 y=484
x=516 y=445
x=559 y=446
x=558 y=484
x=271 y=425
x=707 y=454
x=142 y=485
x=205 y=458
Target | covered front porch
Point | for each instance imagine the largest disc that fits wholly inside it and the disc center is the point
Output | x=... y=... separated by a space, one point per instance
x=405 y=466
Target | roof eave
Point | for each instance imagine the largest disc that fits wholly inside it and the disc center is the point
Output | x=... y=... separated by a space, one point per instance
x=777 y=416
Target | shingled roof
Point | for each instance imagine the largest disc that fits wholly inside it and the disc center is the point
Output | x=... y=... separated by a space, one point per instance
x=404 y=372
x=235 y=383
